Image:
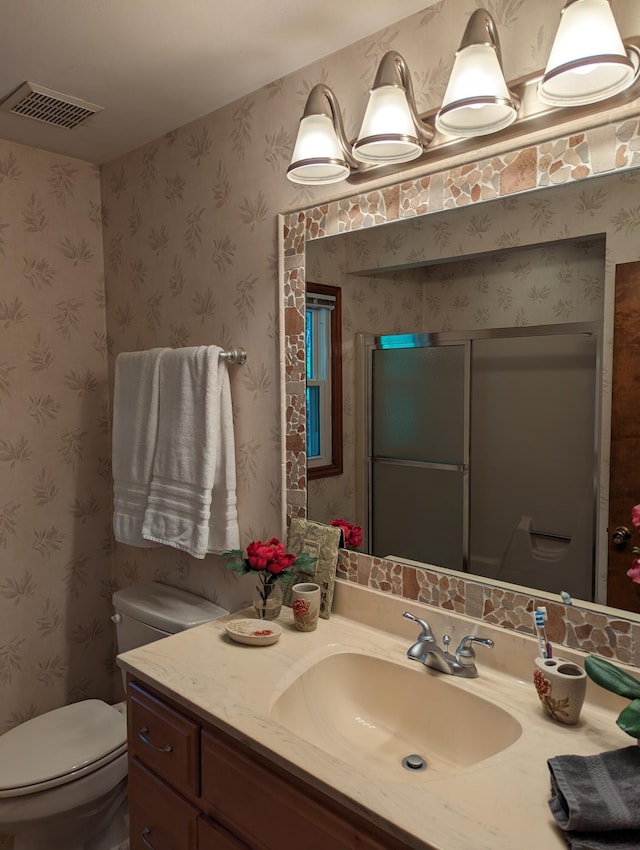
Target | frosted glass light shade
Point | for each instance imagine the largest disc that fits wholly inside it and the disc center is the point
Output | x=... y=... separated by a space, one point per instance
x=317 y=155
x=477 y=100
x=588 y=60
x=388 y=133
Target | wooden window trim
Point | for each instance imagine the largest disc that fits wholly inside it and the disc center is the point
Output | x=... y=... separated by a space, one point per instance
x=335 y=466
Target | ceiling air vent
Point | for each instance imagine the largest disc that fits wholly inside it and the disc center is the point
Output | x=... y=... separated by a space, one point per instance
x=52 y=107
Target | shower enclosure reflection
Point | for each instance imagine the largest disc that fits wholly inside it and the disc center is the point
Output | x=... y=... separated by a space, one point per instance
x=482 y=452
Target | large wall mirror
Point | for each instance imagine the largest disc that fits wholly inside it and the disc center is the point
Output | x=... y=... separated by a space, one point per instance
x=477 y=351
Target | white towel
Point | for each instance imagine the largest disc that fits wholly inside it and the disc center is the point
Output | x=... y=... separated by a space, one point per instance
x=135 y=429
x=192 y=498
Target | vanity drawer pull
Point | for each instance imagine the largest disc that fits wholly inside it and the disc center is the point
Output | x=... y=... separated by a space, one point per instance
x=146 y=831
x=165 y=741
x=143 y=732
x=159 y=818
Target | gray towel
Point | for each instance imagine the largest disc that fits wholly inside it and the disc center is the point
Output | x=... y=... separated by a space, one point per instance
x=627 y=840
x=596 y=799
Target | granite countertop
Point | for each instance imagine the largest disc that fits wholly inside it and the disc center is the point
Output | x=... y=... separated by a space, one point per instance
x=497 y=804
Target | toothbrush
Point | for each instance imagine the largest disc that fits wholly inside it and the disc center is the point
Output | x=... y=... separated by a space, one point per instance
x=545 y=617
x=539 y=616
x=538 y=621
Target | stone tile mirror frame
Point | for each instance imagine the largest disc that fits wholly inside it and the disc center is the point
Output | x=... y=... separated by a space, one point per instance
x=575 y=157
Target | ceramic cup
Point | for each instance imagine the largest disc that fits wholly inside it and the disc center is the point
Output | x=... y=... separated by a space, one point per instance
x=305 y=602
x=561 y=686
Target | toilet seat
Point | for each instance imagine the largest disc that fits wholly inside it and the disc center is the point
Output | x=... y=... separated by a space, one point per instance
x=60 y=746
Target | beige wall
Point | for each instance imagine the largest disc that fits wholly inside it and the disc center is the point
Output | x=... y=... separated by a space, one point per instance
x=55 y=502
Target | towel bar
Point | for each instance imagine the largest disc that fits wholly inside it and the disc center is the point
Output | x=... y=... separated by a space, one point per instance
x=235 y=356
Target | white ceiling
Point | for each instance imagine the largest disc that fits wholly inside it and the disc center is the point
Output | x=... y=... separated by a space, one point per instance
x=157 y=64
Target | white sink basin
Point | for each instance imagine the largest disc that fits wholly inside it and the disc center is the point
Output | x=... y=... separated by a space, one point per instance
x=360 y=707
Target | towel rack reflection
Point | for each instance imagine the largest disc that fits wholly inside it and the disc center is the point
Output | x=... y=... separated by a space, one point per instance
x=550 y=535
x=235 y=356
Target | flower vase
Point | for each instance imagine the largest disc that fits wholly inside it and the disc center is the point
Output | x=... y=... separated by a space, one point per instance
x=267 y=599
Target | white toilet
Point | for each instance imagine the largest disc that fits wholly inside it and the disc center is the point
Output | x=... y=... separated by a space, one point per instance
x=63 y=775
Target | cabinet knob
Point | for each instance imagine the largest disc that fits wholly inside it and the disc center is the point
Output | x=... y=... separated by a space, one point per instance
x=620 y=535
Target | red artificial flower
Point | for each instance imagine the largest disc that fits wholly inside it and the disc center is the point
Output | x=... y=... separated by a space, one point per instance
x=634 y=572
x=352 y=533
x=270 y=561
x=269 y=556
x=355 y=537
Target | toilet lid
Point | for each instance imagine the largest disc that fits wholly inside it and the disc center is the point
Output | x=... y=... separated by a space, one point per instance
x=61 y=744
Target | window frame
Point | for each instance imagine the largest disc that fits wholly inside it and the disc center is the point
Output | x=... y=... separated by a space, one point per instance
x=334 y=466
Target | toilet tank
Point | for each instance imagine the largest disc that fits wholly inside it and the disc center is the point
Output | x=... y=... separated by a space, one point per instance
x=148 y=612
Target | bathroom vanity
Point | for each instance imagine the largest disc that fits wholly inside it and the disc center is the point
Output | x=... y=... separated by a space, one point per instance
x=300 y=744
x=213 y=793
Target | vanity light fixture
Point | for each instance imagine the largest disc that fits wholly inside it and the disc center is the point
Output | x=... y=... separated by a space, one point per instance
x=477 y=100
x=322 y=153
x=589 y=64
x=392 y=130
x=588 y=61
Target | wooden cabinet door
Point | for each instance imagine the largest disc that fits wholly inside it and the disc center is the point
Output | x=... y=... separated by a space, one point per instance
x=624 y=490
x=211 y=836
x=270 y=813
x=159 y=819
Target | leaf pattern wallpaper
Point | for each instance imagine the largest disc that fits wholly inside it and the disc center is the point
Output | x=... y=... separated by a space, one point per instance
x=175 y=244
x=55 y=471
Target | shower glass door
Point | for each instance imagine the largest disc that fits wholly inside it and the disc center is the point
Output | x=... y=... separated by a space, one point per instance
x=482 y=453
x=418 y=463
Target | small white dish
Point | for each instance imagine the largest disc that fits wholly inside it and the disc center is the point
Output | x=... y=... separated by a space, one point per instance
x=254 y=632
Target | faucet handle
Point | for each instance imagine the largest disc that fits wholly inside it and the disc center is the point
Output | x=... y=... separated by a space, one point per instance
x=426 y=634
x=465 y=647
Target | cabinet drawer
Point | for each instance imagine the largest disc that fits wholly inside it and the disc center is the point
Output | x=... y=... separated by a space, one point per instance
x=211 y=836
x=158 y=817
x=268 y=812
x=164 y=740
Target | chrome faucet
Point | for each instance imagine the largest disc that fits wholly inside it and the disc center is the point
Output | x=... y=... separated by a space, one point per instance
x=427 y=651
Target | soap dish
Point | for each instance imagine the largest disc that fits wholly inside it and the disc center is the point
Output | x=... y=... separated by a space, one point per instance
x=254 y=632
